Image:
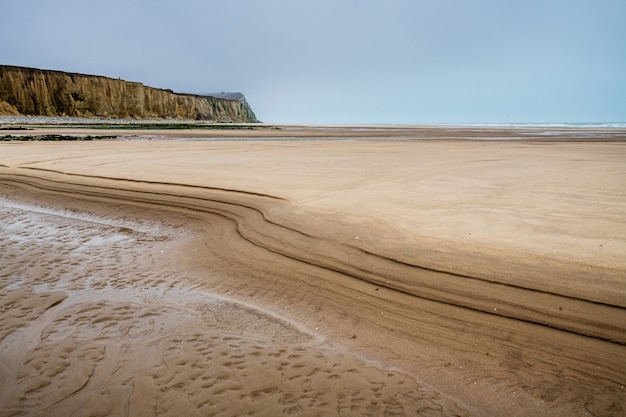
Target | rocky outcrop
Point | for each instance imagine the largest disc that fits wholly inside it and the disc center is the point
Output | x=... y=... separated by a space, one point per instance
x=30 y=91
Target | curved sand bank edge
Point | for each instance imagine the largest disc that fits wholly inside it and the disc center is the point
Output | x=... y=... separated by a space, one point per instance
x=487 y=294
x=291 y=238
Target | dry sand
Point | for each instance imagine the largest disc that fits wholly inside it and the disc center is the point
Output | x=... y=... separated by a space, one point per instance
x=353 y=277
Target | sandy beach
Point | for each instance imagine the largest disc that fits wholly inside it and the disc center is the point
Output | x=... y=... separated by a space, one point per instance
x=366 y=271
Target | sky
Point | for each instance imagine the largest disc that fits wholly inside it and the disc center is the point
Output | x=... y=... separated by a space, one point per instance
x=346 y=61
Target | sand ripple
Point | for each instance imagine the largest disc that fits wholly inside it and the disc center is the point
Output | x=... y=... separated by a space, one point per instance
x=94 y=323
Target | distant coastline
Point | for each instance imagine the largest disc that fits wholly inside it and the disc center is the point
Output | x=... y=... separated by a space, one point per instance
x=37 y=127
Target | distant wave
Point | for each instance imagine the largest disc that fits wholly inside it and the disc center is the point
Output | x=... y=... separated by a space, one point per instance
x=549 y=125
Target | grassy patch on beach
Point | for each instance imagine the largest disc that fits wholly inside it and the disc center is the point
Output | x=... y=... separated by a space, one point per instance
x=174 y=126
x=158 y=126
x=25 y=138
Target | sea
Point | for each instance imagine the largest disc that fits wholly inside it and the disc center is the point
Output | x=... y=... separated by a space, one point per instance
x=52 y=120
x=457 y=131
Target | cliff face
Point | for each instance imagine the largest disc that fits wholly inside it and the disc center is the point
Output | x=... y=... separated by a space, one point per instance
x=29 y=91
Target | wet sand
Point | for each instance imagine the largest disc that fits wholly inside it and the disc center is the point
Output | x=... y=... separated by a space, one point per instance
x=354 y=277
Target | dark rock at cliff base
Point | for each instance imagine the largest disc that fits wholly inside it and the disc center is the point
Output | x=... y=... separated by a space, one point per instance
x=36 y=92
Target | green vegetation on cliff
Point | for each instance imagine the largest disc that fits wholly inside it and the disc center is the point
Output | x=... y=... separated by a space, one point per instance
x=35 y=92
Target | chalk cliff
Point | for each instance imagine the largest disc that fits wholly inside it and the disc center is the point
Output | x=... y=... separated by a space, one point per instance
x=30 y=91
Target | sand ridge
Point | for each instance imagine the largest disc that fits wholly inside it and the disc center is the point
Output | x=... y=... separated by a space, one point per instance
x=320 y=250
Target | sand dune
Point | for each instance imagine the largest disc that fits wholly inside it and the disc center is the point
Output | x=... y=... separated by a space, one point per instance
x=313 y=278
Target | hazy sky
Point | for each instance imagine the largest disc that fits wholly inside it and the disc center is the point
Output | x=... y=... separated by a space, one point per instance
x=346 y=61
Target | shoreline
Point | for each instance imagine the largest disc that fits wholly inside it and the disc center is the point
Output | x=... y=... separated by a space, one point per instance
x=345 y=236
x=153 y=130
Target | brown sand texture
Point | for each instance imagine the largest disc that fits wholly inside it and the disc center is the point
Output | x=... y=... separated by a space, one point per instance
x=314 y=277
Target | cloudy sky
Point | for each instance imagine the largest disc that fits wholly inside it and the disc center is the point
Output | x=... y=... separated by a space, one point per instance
x=346 y=61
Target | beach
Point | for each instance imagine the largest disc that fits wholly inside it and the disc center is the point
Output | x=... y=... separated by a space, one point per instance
x=430 y=271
